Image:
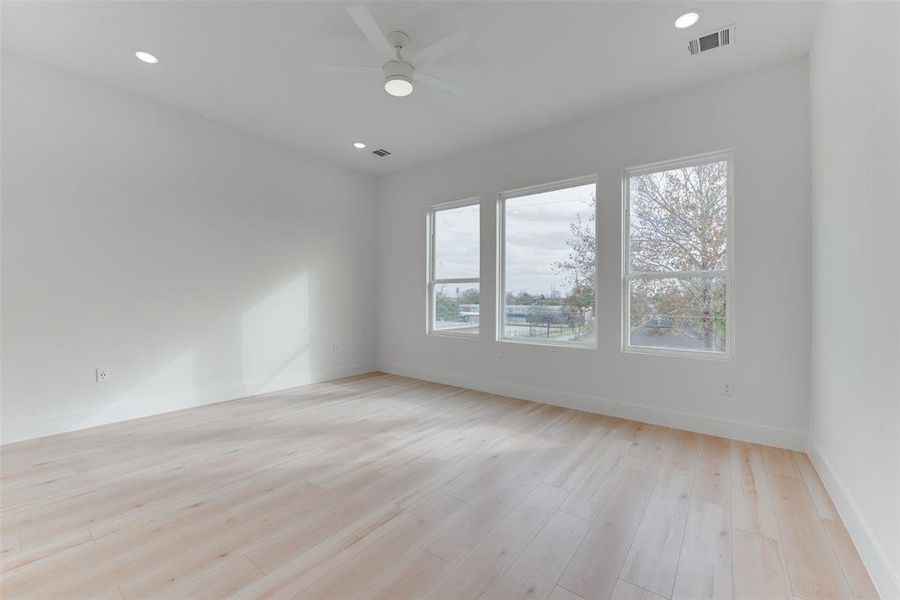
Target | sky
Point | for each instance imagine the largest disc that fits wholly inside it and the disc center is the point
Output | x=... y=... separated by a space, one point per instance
x=537 y=229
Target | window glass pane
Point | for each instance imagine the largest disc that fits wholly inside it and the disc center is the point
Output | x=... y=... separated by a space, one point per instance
x=679 y=314
x=456 y=233
x=549 y=266
x=456 y=307
x=679 y=219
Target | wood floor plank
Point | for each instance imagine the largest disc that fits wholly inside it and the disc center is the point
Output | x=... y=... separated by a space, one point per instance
x=594 y=569
x=857 y=576
x=328 y=513
x=625 y=590
x=490 y=559
x=779 y=461
x=653 y=446
x=712 y=476
x=813 y=568
x=379 y=560
x=684 y=450
x=381 y=486
x=535 y=572
x=561 y=593
x=519 y=474
x=751 y=502
x=412 y=578
x=758 y=571
x=814 y=486
x=705 y=567
x=653 y=559
x=580 y=461
x=220 y=582
x=591 y=493
x=301 y=567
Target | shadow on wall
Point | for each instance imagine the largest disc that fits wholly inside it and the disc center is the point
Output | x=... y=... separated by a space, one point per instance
x=268 y=349
x=197 y=265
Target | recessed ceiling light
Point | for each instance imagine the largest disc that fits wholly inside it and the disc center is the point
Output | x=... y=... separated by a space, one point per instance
x=146 y=57
x=687 y=19
x=359 y=145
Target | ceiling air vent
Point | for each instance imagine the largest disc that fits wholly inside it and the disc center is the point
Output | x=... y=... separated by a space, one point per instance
x=711 y=41
x=381 y=152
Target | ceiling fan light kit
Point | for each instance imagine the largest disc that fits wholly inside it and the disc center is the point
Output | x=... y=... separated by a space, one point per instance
x=399 y=72
x=398 y=85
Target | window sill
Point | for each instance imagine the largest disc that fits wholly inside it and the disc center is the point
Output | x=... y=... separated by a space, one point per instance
x=450 y=334
x=672 y=353
x=574 y=345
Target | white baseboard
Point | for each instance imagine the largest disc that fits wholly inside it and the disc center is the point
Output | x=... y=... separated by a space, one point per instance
x=749 y=432
x=17 y=431
x=884 y=575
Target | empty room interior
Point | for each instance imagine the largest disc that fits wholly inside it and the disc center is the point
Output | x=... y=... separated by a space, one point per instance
x=556 y=300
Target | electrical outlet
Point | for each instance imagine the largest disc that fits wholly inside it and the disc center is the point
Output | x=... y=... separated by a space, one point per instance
x=102 y=375
x=334 y=348
x=728 y=390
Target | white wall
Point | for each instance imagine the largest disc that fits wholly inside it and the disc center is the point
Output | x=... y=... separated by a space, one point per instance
x=855 y=413
x=196 y=262
x=763 y=116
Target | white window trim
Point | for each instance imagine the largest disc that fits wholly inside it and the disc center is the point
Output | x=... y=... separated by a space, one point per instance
x=728 y=274
x=431 y=282
x=500 y=316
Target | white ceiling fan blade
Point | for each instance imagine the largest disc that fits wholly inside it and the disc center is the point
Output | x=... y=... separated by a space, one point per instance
x=353 y=69
x=363 y=19
x=446 y=86
x=441 y=48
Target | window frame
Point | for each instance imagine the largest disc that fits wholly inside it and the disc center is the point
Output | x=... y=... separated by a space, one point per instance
x=727 y=274
x=500 y=300
x=431 y=282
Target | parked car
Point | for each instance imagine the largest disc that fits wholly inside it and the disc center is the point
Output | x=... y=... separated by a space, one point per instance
x=658 y=325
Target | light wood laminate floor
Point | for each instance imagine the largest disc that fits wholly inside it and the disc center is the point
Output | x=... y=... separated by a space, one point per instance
x=386 y=487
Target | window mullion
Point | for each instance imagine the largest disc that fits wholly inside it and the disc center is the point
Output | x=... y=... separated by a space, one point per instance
x=457 y=280
x=676 y=274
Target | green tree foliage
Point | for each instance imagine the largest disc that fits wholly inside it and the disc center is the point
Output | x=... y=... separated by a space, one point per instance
x=470 y=296
x=446 y=307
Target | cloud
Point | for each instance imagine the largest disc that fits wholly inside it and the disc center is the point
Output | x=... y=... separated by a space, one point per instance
x=538 y=227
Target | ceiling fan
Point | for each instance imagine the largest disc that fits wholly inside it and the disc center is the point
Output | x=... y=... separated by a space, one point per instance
x=399 y=72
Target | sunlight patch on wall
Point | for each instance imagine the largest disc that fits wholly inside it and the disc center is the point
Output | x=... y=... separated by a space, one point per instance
x=275 y=335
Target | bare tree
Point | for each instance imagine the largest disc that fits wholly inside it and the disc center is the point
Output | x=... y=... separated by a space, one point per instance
x=579 y=266
x=678 y=219
x=678 y=223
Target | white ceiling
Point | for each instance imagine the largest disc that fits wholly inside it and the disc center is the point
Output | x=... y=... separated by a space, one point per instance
x=527 y=64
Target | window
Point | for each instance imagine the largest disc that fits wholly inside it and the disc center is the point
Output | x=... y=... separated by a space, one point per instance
x=677 y=258
x=547 y=239
x=454 y=294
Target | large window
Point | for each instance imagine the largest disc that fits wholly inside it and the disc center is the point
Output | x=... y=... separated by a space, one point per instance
x=547 y=241
x=678 y=266
x=454 y=295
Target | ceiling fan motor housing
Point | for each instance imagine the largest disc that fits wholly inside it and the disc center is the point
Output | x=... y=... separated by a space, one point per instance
x=398 y=68
x=398 y=39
